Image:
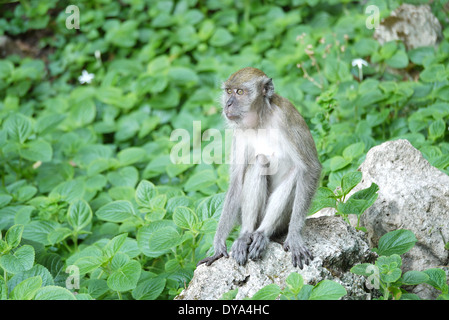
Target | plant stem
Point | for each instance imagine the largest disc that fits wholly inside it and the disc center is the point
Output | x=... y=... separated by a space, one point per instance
x=75 y=241
x=5 y=289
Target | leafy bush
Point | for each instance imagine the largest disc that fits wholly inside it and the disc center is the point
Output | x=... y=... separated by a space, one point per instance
x=85 y=167
x=356 y=204
x=386 y=274
x=295 y=289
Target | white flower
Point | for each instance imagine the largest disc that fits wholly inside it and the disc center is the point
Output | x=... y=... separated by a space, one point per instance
x=86 y=77
x=359 y=63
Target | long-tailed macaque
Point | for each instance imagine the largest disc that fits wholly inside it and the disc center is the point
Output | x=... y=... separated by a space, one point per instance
x=274 y=171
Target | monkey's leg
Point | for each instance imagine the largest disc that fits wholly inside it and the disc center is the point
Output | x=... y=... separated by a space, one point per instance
x=229 y=215
x=294 y=241
x=274 y=216
x=254 y=197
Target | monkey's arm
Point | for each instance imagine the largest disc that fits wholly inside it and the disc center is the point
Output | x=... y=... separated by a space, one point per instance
x=304 y=155
x=294 y=241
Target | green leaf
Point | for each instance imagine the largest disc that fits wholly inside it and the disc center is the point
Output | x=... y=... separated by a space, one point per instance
x=58 y=235
x=354 y=150
x=211 y=207
x=336 y=70
x=79 y=215
x=327 y=290
x=350 y=180
x=185 y=218
x=36 y=270
x=363 y=269
x=37 y=150
x=14 y=235
x=145 y=192
x=117 y=211
x=437 y=129
x=391 y=275
x=6 y=69
x=68 y=191
x=399 y=60
x=230 y=295
x=149 y=289
x=396 y=242
x=269 y=292
x=25 y=193
x=38 y=231
x=123 y=34
x=359 y=201
x=27 y=289
x=125 y=277
x=324 y=198
x=221 y=37
x=21 y=260
x=201 y=180
x=131 y=155
x=164 y=239
x=338 y=162
x=53 y=293
x=418 y=55
x=145 y=233
x=433 y=73
x=18 y=127
x=414 y=277
x=294 y=282
x=88 y=264
x=125 y=177
x=389 y=262
x=182 y=75
x=437 y=279
x=114 y=245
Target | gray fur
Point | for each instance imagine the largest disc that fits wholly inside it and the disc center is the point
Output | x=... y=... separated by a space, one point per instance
x=269 y=204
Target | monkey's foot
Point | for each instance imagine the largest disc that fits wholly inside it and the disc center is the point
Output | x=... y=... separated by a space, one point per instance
x=220 y=252
x=299 y=251
x=258 y=245
x=240 y=248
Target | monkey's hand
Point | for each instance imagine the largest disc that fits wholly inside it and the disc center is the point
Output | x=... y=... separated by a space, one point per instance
x=220 y=251
x=239 y=249
x=258 y=245
x=299 y=251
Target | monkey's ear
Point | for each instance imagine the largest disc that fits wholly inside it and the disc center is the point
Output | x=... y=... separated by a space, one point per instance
x=268 y=88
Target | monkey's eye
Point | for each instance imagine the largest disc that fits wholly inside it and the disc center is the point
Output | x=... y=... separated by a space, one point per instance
x=239 y=91
x=229 y=91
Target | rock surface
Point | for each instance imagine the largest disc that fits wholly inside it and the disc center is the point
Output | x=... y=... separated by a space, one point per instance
x=335 y=245
x=416 y=26
x=413 y=195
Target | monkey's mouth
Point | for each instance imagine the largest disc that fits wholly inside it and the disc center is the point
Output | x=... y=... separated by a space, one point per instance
x=231 y=116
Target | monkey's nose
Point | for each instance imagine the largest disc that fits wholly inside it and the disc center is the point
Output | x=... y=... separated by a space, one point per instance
x=230 y=101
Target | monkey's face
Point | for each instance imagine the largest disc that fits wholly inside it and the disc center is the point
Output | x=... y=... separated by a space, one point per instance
x=235 y=102
x=245 y=94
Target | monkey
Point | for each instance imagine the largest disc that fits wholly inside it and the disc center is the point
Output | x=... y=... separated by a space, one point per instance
x=274 y=171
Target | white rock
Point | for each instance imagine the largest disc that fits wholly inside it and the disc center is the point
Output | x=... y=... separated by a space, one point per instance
x=335 y=245
x=413 y=195
x=416 y=26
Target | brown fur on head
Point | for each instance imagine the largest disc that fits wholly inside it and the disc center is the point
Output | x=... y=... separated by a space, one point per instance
x=247 y=93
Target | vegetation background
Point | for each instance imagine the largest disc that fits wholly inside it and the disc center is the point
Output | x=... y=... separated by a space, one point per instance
x=88 y=190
